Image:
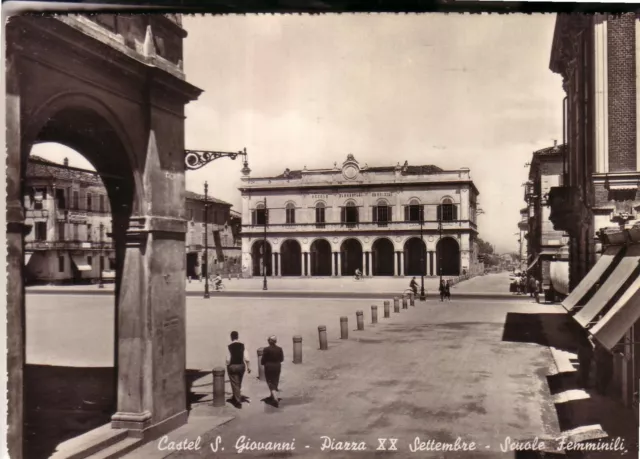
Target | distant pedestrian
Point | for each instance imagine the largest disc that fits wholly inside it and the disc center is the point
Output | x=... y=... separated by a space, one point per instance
x=532 y=286
x=538 y=290
x=447 y=290
x=237 y=363
x=442 y=290
x=272 y=358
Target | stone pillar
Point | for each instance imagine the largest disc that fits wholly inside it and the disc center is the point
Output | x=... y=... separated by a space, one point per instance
x=15 y=259
x=364 y=263
x=302 y=264
x=339 y=264
x=395 y=264
x=435 y=263
x=401 y=263
x=306 y=264
x=333 y=264
x=275 y=264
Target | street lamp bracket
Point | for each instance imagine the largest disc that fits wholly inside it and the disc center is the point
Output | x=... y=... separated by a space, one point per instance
x=195 y=159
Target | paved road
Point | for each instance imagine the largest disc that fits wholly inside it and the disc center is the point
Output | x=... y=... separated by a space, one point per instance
x=438 y=371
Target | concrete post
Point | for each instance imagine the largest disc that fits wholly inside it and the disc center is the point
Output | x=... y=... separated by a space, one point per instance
x=260 y=365
x=344 y=328
x=360 y=320
x=386 y=310
x=404 y=302
x=396 y=304
x=297 y=349
x=322 y=336
x=218 y=386
x=412 y=299
x=374 y=314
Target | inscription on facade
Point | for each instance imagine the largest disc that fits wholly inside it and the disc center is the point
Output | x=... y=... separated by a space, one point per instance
x=319 y=196
x=351 y=195
x=380 y=195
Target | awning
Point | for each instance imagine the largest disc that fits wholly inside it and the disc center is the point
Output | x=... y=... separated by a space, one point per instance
x=591 y=278
x=612 y=327
x=559 y=274
x=533 y=263
x=611 y=286
x=27 y=257
x=81 y=262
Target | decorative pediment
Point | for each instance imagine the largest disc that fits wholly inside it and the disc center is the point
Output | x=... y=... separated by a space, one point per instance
x=350 y=168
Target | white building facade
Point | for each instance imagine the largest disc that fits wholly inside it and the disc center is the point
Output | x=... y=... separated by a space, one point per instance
x=384 y=221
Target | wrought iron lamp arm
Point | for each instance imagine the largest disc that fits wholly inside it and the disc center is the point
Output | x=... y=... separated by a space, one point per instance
x=195 y=159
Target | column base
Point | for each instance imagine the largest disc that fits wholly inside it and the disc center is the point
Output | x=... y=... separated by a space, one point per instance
x=139 y=424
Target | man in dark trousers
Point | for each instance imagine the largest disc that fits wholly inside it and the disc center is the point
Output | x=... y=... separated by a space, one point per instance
x=272 y=358
x=237 y=363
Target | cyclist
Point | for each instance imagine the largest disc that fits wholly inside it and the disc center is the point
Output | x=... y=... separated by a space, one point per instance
x=413 y=285
x=217 y=281
x=358 y=274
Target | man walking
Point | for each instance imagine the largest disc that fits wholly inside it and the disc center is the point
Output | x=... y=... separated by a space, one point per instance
x=272 y=358
x=237 y=363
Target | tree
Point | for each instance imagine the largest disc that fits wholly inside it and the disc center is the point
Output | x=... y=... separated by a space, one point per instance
x=486 y=252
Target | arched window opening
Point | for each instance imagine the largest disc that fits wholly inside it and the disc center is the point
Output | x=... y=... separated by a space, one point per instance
x=382 y=213
x=350 y=214
x=320 y=215
x=447 y=210
x=414 y=212
x=290 y=214
x=259 y=216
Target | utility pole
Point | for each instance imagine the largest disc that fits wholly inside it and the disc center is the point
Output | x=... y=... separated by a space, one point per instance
x=264 y=246
x=206 y=242
x=423 y=252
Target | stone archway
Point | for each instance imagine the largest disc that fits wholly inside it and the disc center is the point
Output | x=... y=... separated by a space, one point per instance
x=290 y=256
x=448 y=257
x=134 y=137
x=415 y=256
x=260 y=255
x=351 y=255
x=321 y=258
x=382 y=257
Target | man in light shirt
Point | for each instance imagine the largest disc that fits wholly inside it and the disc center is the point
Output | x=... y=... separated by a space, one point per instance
x=237 y=363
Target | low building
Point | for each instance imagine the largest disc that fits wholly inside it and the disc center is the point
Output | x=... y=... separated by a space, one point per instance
x=398 y=220
x=69 y=213
x=544 y=242
x=223 y=238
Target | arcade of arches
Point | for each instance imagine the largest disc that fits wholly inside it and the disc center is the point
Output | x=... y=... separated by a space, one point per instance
x=102 y=118
x=382 y=260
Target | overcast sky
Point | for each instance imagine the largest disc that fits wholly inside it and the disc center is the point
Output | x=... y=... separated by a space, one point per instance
x=450 y=90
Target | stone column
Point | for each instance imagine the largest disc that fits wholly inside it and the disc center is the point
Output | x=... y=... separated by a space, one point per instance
x=395 y=264
x=306 y=264
x=275 y=264
x=333 y=264
x=364 y=262
x=401 y=263
x=339 y=264
x=15 y=259
x=302 y=264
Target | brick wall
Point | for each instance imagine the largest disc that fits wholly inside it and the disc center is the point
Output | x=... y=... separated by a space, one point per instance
x=622 y=92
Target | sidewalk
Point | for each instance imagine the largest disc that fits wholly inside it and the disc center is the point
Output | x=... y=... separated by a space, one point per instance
x=494 y=285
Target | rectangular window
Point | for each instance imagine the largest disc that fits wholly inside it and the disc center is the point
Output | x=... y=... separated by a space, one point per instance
x=41 y=231
x=320 y=217
x=260 y=217
x=414 y=213
x=89 y=231
x=350 y=215
x=75 y=232
x=90 y=260
x=381 y=215
x=291 y=215
x=60 y=199
x=101 y=202
x=61 y=228
x=447 y=212
x=61 y=263
x=89 y=203
x=76 y=200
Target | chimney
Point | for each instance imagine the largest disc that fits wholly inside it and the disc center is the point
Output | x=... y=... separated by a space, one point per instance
x=66 y=162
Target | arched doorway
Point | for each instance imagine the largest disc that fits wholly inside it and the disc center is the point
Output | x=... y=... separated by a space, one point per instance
x=257 y=254
x=382 y=257
x=321 y=258
x=132 y=137
x=415 y=257
x=87 y=208
x=448 y=257
x=291 y=263
x=351 y=251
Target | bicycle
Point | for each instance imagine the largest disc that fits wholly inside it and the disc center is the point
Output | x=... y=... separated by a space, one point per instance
x=219 y=288
x=407 y=292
